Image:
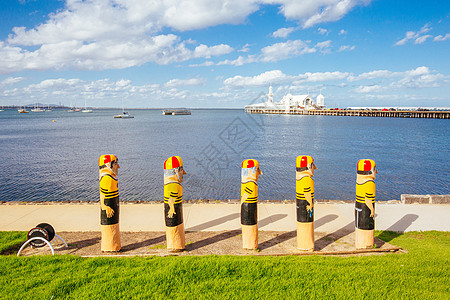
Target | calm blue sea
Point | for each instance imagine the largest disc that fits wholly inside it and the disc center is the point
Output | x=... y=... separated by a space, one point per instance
x=42 y=160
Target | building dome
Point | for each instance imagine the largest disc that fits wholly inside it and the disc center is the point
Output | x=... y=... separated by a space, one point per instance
x=320 y=100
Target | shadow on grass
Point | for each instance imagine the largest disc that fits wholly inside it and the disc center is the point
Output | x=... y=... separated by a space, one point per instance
x=398 y=228
x=13 y=249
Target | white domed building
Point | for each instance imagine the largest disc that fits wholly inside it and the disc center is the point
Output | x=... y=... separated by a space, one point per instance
x=289 y=104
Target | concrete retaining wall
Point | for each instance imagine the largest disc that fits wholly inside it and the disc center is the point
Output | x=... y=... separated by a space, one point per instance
x=425 y=199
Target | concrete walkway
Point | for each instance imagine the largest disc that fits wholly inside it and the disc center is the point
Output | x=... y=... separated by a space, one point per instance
x=329 y=217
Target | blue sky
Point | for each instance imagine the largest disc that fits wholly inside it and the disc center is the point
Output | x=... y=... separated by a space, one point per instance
x=224 y=53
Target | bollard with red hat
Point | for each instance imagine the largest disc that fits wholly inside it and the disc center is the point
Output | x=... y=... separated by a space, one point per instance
x=365 y=204
x=249 y=203
x=109 y=202
x=304 y=190
x=173 y=201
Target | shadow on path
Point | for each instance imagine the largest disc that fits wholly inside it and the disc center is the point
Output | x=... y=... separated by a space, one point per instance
x=324 y=220
x=145 y=243
x=271 y=219
x=213 y=223
x=334 y=236
x=213 y=239
x=278 y=240
x=293 y=234
x=398 y=228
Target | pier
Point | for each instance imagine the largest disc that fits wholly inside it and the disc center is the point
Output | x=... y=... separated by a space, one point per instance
x=355 y=113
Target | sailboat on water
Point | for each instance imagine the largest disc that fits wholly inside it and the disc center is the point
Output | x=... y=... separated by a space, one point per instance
x=124 y=115
x=37 y=108
x=85 y=110
x=22 y=110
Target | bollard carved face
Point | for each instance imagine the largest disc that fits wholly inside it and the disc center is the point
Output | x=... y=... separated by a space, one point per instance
x=305 y=166
x=366 y=170
x=250 y=170
x=173 y=169
x=108 y=163
x=115 y=166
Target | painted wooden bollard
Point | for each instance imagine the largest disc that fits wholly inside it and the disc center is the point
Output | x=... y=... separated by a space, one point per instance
x=304 y=189
x=109 y=202
x=173 y=203
x=249 y=203
x=365 y=204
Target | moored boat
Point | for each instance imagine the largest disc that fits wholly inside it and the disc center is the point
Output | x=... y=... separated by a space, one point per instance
x=176 y=111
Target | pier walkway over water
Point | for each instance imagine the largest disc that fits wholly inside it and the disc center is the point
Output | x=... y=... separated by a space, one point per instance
x=358 y=113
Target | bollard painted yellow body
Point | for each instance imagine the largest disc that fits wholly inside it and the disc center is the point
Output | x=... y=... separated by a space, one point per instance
x=305 y=202
x=365 y=204
x=109 y=203
x=249 y=203
x=173 y=203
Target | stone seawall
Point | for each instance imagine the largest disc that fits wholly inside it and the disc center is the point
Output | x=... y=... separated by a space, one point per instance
x=425 y=199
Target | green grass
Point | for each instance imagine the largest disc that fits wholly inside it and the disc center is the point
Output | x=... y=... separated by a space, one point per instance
x=421 y=273
x=11 y=239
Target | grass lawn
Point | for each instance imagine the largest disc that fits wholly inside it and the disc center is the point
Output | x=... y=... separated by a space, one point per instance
x=422 y=273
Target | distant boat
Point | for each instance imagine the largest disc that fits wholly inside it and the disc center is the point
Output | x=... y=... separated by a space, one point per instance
x=124 y=115
x=176 y=111
x=37 y=108
x=22 y=110
x=85 y=110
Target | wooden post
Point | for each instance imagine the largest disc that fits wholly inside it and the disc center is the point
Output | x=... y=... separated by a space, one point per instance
x=109 y=202
x=173 y=201
x=365 y=204
x=305 y=202
x=249 y=203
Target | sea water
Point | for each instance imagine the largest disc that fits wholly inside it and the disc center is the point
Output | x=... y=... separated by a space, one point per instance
x=53 y=156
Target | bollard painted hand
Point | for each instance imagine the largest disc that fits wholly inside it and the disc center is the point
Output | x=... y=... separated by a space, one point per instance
x=109 y=211
x=172 y=208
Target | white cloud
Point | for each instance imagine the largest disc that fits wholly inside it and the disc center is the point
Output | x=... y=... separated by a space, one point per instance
x=420 y=77
x=185 y=82
x=280 y=51
x=371 y=75
x=346 y=48
x=422 y=39
x=342 y=32
x=283 y=32
x=322 y=31
x=115 y=34
x=324 y=47
x=205 y=51
x=369 y=89
x=313 y=12
x=441 y=38
x=277 y=77
x=106 y=34
x=246 y=48
x=418 y=36
x=11 y=81
x=240 y=61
